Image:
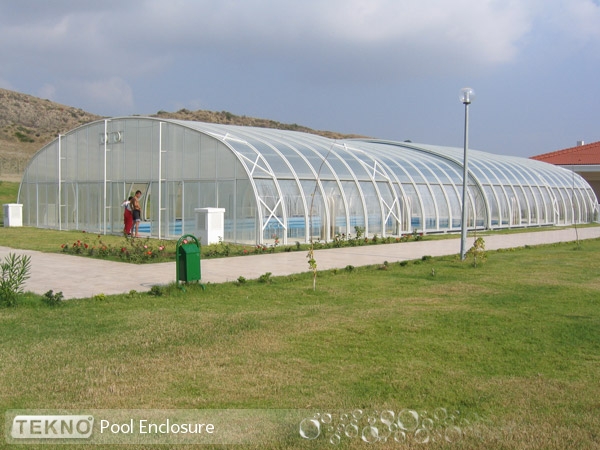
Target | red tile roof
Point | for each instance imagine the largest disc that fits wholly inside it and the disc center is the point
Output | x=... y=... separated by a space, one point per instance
x=588 y=154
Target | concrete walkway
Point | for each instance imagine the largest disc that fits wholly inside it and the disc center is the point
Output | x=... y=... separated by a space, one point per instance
x=81 y=277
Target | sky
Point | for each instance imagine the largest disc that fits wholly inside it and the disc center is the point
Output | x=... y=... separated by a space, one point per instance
x=388 y=69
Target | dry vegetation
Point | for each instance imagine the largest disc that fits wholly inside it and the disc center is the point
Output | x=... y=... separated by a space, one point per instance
x=27 y=123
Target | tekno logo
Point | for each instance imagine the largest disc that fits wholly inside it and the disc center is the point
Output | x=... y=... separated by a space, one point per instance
x=52 y=427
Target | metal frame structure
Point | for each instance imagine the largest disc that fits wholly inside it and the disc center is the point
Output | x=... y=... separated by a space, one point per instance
x=285 y=186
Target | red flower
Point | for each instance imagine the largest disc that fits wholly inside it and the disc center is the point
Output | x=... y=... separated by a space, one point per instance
x=123 y=249
x=149 y=252
x=85 y=245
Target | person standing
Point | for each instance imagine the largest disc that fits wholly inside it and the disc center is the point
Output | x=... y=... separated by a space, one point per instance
x=136 y=210
x=127 y=216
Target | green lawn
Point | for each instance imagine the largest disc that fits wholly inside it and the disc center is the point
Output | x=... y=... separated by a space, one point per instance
x=511 y=347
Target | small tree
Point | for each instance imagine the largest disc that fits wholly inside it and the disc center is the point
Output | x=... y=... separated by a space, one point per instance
x=15 y=271
x=477 y=252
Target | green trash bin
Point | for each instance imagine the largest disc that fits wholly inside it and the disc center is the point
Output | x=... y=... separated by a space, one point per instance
x=188 y=259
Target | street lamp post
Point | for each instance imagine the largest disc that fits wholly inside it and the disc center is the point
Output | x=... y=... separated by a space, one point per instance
x=466 y=97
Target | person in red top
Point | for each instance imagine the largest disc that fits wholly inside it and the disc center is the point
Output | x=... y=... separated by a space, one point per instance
x=127 y=216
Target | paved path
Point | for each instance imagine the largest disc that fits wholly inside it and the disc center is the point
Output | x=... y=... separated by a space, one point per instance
x=81 y=277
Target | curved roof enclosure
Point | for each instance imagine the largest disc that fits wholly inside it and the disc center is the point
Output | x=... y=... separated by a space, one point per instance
x=284 y=185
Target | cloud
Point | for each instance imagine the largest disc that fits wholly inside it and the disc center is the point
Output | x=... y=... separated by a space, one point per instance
x=342 y=37
x=108 y=94
x=338 y=39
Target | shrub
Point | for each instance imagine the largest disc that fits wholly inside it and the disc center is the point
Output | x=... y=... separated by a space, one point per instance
x=477 y=252
x=265 y=278
x=52 y=299
x=15 y=271
x=156 y=291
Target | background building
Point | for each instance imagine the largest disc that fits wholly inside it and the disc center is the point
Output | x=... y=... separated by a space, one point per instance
x=285 y=185
x=584 y=159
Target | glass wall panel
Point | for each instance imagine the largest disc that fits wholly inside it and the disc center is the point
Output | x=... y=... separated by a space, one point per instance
x=356 y=211
x=533 y=208
x=191 y=155
x=414 y=204
x=443 y=208
x=246 y=214
x=430 y=208
x=373 y=208
x=494 y=210
x=337 y=210
x=207 y=194
x=272 y=210
x=522 y=204
x=294 y=207
x=173 y=142
x=503 y=205
x=208 y=157
x=317 y=216
x=226 y=199
x=391 y=209
x=225 y=165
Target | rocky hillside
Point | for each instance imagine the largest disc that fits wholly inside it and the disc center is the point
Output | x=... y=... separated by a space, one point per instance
x=231 y=119
x=27 y=123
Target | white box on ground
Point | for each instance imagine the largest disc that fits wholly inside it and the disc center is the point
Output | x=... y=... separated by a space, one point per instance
x=210 y=225
x=13 y=215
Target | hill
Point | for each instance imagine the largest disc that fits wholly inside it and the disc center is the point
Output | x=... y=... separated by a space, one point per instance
x=27 y=123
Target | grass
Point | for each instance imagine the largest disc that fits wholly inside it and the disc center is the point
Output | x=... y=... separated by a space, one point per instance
x=514 y=341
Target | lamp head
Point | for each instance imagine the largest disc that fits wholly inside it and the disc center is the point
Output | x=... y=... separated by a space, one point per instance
x=467 y=95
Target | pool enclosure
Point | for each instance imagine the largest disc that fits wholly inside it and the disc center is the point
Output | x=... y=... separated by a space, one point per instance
x=284 y=185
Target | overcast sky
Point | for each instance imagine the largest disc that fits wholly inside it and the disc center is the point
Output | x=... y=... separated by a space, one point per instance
x=390 y=69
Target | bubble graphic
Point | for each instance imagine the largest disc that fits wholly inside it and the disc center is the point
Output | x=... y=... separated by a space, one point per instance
x=370 y=434
x=326 y=418
x=427 y=424
x=351 y=431
x=408 y=420
x=357 y=414
x=387 y=417
x=335 y=439
x=344 y=418
x=384 y=433
x=422 y=436
x=340 y=428
x=453 y=434
x=310 y=429
x=372 y=420
x=400 y=436
x=440 y=414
